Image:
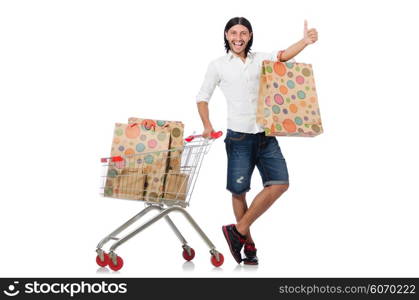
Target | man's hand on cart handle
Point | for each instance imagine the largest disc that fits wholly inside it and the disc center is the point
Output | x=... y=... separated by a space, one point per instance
x=213 y=135
x=207 y=131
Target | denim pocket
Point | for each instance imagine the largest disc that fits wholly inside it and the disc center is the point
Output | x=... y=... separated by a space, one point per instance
x=235 y=136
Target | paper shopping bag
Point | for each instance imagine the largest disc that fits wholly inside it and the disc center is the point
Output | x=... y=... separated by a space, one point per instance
x=145 y=149
x=287 y=101
x=176 y=186
x=176 y=129
x=130 y=184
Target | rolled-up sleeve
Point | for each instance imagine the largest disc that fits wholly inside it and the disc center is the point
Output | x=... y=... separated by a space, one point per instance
x=211 y=80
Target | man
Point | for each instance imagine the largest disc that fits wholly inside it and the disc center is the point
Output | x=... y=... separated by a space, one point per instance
x=237 y=74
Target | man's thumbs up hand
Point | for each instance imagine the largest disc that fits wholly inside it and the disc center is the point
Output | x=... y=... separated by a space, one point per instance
x=310 y=35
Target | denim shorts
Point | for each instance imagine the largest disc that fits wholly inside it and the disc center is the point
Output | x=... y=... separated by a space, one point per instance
x=247 y=150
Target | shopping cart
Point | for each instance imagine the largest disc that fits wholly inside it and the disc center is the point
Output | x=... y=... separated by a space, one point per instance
x=135 y=176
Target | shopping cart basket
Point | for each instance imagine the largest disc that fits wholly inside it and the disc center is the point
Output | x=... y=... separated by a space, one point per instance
x=153 y=178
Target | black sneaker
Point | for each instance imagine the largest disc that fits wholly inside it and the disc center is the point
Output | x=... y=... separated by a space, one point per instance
x=235 y=241
x=250 y=253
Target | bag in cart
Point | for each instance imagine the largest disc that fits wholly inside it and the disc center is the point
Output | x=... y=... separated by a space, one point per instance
x=145 y=153
x=175 y=182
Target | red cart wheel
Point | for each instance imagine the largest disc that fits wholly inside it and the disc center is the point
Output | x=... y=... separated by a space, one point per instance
x=186 y=255
x=105 y=261
x=119 y=263
x=215 y=262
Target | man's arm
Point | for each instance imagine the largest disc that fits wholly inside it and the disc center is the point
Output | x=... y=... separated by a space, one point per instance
x=210 y=82
x=310 y=36
x=292 y=50
x=204 y=114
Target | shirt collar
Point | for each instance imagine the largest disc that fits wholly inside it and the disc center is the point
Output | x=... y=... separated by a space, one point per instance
x=231 y=55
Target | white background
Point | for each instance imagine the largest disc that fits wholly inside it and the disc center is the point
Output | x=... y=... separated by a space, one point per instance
x=70 y=69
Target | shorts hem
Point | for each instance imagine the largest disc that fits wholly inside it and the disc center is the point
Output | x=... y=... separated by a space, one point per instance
x=244 y=191
x=274 y=182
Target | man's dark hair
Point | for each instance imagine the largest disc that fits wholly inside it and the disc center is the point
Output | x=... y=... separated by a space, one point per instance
x=238 y=21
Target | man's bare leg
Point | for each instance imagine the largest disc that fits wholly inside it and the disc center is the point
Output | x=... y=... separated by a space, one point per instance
x=260 y=204
x=240 y=208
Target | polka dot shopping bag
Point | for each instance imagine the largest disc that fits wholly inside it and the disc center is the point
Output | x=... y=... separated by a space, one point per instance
x=287 y=101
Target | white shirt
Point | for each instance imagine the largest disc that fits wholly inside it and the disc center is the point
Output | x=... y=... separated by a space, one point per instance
x=239 y=82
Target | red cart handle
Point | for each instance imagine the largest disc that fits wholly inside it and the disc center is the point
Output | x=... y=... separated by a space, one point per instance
x=214 y=135
x=112 y=159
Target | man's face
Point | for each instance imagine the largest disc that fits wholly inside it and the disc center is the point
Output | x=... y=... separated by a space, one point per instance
x=238 y=36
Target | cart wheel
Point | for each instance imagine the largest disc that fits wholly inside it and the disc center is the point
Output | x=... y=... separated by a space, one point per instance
x=215 y=262
x=105 y=261
x=186 y=255
x=119 y=263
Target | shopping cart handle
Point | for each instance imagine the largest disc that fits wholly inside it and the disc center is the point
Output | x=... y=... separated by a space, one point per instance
x=214 y=135
x=112 y=159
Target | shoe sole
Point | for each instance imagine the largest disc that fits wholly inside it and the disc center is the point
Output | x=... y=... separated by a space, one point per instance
x=250 y=263
x=229 y=245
